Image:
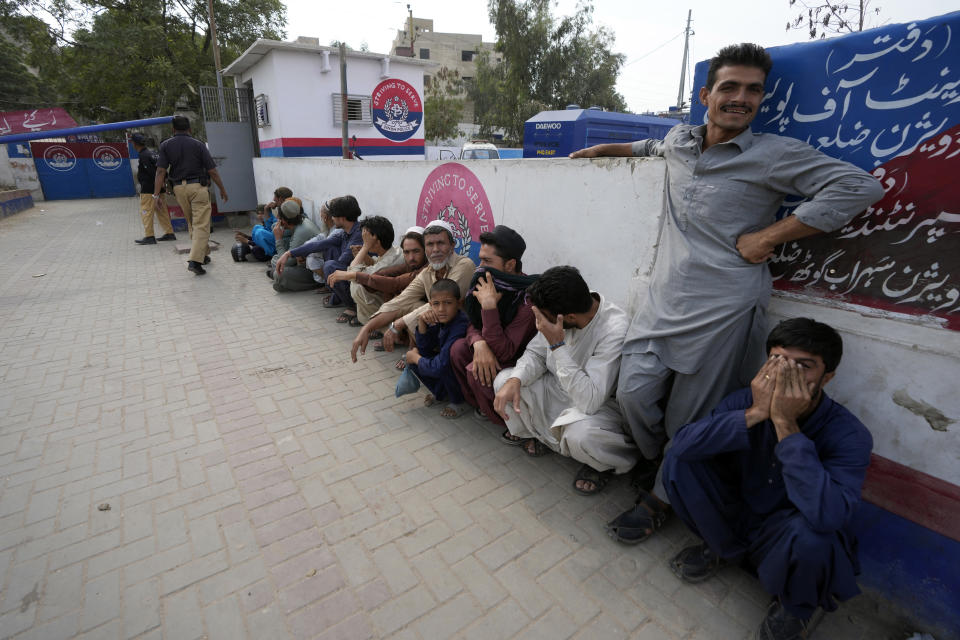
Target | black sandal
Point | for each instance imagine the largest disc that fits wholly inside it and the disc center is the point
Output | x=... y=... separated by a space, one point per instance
x=641 y=522
x=508 y=438
x=696 y=563
x=600 y=479
x=539 y=449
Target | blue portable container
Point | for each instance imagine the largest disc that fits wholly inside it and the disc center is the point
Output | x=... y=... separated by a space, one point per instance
x=554 y=134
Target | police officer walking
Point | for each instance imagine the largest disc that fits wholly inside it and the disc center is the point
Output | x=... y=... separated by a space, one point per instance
x=146 y=176
x=191 y=168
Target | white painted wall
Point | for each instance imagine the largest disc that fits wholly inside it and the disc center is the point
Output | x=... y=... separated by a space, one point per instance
x=24 y=172
x=604 y=216
x=300 y=94
x=6 y=173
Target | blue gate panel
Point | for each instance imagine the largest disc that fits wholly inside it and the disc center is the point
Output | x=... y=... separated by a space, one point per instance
x=70 y=170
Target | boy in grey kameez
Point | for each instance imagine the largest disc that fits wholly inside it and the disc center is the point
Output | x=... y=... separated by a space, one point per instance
x=703 y=323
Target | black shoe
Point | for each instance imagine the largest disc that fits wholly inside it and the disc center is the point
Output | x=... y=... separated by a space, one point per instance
x=166 y=236
x=147 y=240
x=206 y=260
x=780 y=624
x=696 y=563
x=270 y=273
x=193 y=265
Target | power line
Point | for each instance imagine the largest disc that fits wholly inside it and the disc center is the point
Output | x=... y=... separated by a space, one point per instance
x=657 y=49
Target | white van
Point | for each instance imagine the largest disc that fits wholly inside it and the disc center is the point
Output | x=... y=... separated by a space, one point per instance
x=479 y=150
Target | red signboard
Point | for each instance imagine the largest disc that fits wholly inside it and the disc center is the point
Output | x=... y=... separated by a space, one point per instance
x=35 y=120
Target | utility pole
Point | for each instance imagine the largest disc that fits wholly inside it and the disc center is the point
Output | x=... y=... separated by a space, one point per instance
x=683 y=67
x=344 y=129
x=413 y=33
x=216 y=57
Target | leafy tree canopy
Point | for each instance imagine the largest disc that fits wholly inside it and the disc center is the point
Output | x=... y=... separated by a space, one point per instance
x=127 y=59
x=443 y=108
x=547 y=64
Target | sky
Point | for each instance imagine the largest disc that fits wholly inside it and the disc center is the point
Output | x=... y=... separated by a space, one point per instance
x=649 y=33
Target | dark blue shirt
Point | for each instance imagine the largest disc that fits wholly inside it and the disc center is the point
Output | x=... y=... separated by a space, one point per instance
x=434 y=345
x=341 y=241
x=186 y=157
x=819 y=471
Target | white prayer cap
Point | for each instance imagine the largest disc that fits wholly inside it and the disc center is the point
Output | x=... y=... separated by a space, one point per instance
x=414 y=229
x=443 y=224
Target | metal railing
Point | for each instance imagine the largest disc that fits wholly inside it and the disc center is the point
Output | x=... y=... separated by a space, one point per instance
x=227 y=104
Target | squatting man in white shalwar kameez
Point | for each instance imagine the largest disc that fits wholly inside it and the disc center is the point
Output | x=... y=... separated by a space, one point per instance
x=559 y=395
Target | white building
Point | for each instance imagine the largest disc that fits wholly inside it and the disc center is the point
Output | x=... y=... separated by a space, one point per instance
x=298 y=100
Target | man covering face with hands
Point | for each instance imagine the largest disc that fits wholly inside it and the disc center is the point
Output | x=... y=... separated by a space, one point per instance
x=771 y=480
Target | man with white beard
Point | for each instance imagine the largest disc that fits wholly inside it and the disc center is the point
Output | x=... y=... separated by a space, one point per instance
x=402 y=312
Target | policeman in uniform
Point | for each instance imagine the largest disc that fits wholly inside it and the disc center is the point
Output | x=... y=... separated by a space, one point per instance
x=146 y=175
x=190 y=165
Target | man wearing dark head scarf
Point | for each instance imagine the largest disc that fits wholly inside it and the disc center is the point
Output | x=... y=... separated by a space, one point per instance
x=501 y=321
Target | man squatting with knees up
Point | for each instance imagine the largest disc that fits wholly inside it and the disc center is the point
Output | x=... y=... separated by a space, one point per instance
x=559 y=396
x=701 y=329
x=771 y=479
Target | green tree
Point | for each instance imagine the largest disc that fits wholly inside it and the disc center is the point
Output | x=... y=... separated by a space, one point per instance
x=125 y=59
x=824 y=18
x=29 y=74
x=547 y=64
x=443 y=107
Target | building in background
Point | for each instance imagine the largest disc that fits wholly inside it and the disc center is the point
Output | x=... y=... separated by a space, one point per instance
x=297 y=99
x=454 y=51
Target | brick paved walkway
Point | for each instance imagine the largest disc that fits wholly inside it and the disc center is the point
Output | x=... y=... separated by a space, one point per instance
x=260 y=485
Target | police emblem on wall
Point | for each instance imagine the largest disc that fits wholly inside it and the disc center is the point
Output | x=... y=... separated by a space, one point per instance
x=59 y=158
x=397 y=109
x=452 y=193
x=107 y=158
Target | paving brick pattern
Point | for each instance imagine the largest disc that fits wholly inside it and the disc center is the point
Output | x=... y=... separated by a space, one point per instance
x=262 y=486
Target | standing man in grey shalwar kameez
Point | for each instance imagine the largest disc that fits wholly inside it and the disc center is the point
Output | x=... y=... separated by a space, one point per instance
x=699 y=334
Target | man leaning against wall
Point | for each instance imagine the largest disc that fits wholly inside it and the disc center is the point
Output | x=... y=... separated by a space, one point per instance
x=700 y=332
x=190 y=167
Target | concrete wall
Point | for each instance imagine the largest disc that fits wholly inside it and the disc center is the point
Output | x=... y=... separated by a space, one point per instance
x=604 y=217
x=6 y=173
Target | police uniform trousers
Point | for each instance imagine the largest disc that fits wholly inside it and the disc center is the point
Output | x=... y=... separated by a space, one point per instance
x=147 y=212
x=194 y=201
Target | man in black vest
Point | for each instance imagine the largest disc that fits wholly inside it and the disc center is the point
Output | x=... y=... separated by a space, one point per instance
x=146 y=175
x=191 y=169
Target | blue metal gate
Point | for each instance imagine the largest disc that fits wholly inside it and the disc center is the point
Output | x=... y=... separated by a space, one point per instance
x=69 y=170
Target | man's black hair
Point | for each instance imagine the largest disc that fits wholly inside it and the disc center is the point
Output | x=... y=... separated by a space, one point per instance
x=490 y=238
x=181 y=123
x=283 y=193
x=561 y=290
x=344 y=207
x=745 y=54
x=448 y=285
x=413 y=235
x=811 y=336
x=380 y=228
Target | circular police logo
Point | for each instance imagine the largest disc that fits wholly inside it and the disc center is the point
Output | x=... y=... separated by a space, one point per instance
x=59 y=158
x=452 y=193
x=107 y=158
x=397 y=109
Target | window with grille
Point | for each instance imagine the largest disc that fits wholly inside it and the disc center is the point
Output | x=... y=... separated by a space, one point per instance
x=358 y=109
x=466 y=56
x=260 y=106
x=424 y=54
